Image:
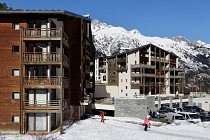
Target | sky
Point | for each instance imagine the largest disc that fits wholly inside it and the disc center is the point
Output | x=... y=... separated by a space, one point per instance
x=124 y=128
x=162 y=18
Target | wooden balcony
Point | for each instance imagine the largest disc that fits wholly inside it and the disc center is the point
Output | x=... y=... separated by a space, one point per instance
x=158 y=59
x=52 y=33
x=42 y=106
x=45 y=82
x=176 y=76
x=143 y=66
x=133 y=74
x=45 y=34
x=177 y=69
x=52 y=58
x=135 y=85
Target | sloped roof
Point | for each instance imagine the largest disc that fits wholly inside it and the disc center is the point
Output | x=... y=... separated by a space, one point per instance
x=139 y=48
x=44 y=12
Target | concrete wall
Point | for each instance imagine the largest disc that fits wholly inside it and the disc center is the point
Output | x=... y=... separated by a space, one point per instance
x=106 y=91
x=131 y=61
x=124 y=84
x=151 y=103
x=135 y=107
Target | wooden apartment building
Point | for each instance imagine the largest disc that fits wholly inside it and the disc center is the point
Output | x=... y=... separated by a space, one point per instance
x=147 y=70
x=46 y=69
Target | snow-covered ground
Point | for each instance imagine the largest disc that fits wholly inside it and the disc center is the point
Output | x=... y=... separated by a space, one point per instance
x=121 y=128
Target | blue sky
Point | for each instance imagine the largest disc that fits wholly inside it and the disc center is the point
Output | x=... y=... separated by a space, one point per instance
x=163 y=18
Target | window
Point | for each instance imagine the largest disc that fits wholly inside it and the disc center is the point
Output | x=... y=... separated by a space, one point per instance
x=104 y=78
x=121 y=90
x=16 y=26
x=15 y=95
x=15 y=119
x=15 y=72
x=126 y=94
x=126 y=87
x=15 y=49
x=126 y=80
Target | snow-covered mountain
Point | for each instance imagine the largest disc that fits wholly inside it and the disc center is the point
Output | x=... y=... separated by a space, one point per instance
x=194 y=56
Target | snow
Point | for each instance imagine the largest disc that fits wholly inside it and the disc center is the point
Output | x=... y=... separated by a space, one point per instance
x=125 y=128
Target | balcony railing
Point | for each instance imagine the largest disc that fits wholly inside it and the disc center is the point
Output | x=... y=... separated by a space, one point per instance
x=41 y=105
x=142 y=66
x=176 y=76
x=153 y=58
x=135 y=85
x=177 y=69
x=42 y=32
x=133 y=74
x=48 y=33
x=42 y=81
x=49 y=58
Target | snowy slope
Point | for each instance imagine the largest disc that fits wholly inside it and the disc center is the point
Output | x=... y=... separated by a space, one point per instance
x=123 y=128
x=194 y=56
x=117 y=128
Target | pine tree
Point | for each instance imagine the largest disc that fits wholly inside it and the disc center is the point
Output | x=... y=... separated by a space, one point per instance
x=4 y=7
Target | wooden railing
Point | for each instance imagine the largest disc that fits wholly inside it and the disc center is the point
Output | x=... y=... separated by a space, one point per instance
x=42 y=105
x=40 y=57
x=46 y=33
x=42 y=81
x=143 y=66
x=48 y=57
x=176 y=76
x=42 y=32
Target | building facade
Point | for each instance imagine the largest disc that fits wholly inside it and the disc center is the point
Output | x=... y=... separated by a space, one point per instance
x=46 y=70
x=148 y=70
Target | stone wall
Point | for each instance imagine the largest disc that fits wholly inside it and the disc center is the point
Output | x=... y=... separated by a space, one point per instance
x=134 y=107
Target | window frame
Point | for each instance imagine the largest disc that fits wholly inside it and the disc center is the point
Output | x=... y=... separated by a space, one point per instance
x=13 y=49
x=14 y=26
x=13 y=72
x=13 y=95
x=15 y=120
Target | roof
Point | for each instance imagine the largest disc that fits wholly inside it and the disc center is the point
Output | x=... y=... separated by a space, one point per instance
x=139 y=48
x=45 y=12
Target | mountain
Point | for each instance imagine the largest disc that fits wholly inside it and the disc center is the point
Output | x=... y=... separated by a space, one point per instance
x=194 y=56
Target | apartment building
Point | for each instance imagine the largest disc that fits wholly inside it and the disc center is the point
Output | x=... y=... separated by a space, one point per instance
x=147 y=70
x=46 y=69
